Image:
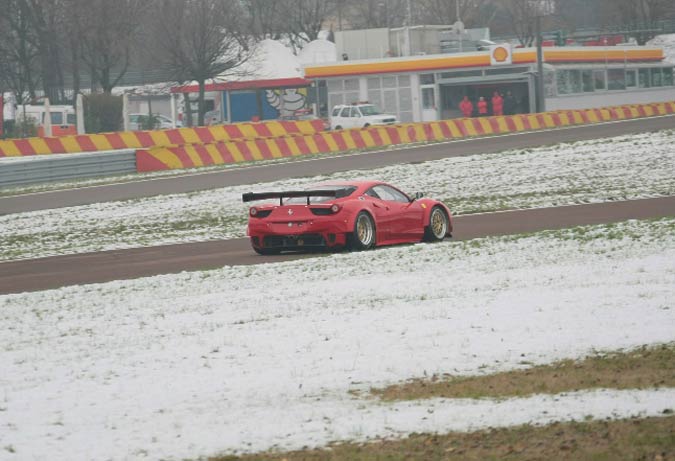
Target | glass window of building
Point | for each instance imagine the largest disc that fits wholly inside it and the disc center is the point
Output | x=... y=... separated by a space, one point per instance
x=643 y=78
x=462 y=74
x=352 y=84
x=389 y=82
x=587 y=81
x=599 y=78
x=428 y=99
x=335 y=85
x=616 y=79
x=427 y=79
x=568 y=81
x=668 y=76
x=656 y=77
x=631 y=78
x=374 y=83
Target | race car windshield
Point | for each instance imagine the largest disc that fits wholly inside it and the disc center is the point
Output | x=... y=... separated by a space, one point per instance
x=345 y=191
x=369 y=110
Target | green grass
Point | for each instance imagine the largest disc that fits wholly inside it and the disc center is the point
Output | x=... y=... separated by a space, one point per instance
x=648 y=439
x=645 y=367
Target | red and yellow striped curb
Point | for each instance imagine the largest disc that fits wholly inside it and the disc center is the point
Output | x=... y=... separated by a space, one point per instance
x=158 y=138
x=249 y=150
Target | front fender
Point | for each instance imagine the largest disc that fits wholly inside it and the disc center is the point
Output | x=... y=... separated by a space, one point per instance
x=430 y=204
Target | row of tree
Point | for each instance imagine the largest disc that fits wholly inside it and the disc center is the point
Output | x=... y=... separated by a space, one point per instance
x=57 y=47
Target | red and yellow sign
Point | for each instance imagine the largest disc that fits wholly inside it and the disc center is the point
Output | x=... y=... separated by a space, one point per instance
x=501 y=55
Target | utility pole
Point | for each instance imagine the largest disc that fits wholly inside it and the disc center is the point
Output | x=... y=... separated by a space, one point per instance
x=541 y=102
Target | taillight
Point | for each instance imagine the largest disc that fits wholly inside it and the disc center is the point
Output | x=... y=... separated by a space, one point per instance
x=256 y=213
x=325 y=211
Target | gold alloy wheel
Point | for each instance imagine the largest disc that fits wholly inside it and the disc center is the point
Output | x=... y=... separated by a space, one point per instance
x=439 y=223
x=364 y=230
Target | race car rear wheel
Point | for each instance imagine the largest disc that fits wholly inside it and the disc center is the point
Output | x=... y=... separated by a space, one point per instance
x=438 y=225
x=363 y=237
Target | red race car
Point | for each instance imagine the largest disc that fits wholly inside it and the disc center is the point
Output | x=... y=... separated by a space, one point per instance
x=356 y=214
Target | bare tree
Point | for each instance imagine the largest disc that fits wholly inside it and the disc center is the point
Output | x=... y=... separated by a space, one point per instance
x=266 y=18
x=641 y=15
x=376 y=13
x=445 y=12
x=307 y=18
x=46 y=19
x=110 y=29
x=522 y=19
x=19 y=55
x=203 y=41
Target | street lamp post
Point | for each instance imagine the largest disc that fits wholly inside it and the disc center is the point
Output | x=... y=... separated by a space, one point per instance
x=541 y=96
x=540 y=8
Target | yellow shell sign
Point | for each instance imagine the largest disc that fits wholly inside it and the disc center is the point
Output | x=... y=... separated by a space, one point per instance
x=500 y=54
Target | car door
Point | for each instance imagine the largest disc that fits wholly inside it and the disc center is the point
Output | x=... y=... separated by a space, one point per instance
x=405 y=215
x=383 y=215
x=357 y=118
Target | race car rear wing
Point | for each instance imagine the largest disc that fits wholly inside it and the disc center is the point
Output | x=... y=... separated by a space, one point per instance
x=337 y=193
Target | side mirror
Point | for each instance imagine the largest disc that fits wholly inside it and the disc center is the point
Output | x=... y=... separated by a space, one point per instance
x=418 y=195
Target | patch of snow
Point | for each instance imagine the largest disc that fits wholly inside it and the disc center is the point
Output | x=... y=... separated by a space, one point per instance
x=622 y=168
x=318 y=52
x=250 y=358
x=667 y=42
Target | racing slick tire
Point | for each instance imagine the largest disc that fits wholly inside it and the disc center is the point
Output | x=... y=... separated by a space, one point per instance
x=438 y=225
x=363 y=237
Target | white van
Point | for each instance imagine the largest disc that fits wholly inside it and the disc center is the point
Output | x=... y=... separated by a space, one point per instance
x=360 y=115
x=63 y=118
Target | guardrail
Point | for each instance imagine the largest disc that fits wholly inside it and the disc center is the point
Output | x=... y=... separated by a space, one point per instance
x=36 y=169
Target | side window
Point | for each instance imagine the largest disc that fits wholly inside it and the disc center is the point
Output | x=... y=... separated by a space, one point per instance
x=71 y=119
x=56 y=117
x=356 y=112
x=371 y=193
x=345 y=112
x=390 y=194
x=336 y=111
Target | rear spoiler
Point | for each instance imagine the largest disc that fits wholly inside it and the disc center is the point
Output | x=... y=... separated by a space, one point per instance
x=337 y=193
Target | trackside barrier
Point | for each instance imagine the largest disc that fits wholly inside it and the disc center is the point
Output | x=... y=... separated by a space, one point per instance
x=196 y=155
x=156 y=138
x=38 y=169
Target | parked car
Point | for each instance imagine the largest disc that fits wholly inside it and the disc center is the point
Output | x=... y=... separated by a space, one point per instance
x=361 y=115
x=161 y=122
x=357 y=215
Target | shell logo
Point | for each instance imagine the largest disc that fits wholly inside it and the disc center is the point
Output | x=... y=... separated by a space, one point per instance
x=500 y=54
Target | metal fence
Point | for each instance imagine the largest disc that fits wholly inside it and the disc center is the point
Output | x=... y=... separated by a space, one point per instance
x=17 y=171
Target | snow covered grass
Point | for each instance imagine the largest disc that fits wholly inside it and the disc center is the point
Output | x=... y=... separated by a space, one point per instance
x=245 y=359
x=626 y=167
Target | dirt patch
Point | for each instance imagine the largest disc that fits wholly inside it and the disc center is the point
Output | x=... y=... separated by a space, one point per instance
x=649 y=439
x=645 y=367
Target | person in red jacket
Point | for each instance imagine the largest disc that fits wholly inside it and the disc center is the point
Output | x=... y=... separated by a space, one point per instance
x=482 y=107
x=497 y=104
x=466 y=107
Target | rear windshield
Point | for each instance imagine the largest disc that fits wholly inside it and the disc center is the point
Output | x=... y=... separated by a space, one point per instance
x=348 y=190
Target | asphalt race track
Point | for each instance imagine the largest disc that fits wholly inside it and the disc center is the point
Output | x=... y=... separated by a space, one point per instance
x=53 y=272
x=325 y=165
